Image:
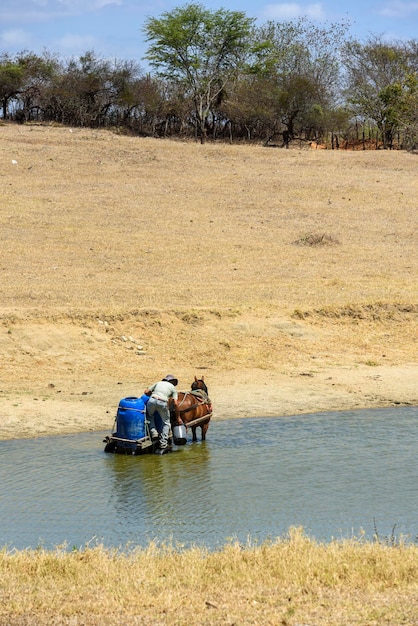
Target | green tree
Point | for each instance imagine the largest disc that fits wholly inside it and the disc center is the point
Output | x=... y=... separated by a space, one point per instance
x=201 y=49
x=410 y=131
x=12 y=73
x=39 y=73
x=380 y=84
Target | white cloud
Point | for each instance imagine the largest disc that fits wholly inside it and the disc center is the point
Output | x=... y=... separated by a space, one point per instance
x=77 y=6
x=399 y=9
x=42 y=10
x=75 y=44
x=106 y=3
x=15 y=37
x=289 y=11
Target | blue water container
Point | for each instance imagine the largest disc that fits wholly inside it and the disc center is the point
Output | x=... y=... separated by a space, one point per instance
x=130 y=418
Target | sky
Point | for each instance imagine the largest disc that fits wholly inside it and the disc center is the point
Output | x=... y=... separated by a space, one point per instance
x=113 y=29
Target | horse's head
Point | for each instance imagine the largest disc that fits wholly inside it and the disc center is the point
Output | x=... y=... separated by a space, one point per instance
x=199 y=383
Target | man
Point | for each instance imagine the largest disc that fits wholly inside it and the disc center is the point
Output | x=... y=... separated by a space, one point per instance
x=158 y=405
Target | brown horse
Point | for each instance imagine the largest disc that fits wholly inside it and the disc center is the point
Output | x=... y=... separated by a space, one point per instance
x=193 y=408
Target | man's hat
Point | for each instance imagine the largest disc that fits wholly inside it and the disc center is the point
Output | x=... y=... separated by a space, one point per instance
x=171 y=379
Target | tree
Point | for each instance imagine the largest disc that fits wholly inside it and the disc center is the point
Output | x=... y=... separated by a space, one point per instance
x=380 y=84
x=249 y=108
x=300 y=61
x=39 y=74
x=12 y=74
x=410 y=131
x=201 y=49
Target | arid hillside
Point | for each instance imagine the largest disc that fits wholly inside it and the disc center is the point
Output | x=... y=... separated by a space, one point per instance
x=288 y=278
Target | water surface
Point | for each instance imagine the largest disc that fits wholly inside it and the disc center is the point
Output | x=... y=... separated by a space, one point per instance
x=335 y=474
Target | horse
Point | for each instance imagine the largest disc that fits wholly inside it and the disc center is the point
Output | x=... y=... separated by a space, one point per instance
x=193 y=408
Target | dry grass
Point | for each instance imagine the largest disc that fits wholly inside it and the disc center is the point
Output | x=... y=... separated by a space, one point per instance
x=91 y=221
x=171 y=237
x=189 y=250
x=291 y=581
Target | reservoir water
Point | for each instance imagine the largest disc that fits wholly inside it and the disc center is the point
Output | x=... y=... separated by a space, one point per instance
x=337 y=475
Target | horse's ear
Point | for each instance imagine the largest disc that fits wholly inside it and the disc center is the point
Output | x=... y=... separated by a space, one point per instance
x=203 y=378
x=195 y=379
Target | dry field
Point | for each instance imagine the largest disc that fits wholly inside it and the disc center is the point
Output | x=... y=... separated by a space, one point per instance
x=287 y=277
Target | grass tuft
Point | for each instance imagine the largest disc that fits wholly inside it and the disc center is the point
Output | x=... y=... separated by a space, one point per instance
x=315 y=240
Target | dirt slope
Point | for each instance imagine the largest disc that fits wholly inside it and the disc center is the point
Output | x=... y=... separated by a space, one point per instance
x=287 y=278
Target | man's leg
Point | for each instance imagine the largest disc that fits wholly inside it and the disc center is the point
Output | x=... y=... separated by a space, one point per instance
x=151 y=410
x=165 y=416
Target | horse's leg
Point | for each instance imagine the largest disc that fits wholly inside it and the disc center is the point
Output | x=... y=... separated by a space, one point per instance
x=194 y=436
x=204 y=430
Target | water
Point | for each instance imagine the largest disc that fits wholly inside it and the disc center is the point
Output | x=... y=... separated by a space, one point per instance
x=335 y=474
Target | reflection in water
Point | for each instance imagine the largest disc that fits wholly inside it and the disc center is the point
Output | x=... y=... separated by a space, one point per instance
x=150 y=493
x=333 y=474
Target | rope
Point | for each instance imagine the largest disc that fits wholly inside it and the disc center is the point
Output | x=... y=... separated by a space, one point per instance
x=190 y=408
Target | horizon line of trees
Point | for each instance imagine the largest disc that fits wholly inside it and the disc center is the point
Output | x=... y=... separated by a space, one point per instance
x=219 y=76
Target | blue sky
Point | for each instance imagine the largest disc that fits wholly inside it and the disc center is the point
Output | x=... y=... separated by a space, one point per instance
x=113 y=28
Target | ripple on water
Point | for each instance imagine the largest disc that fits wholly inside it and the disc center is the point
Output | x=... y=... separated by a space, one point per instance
x=332 y=473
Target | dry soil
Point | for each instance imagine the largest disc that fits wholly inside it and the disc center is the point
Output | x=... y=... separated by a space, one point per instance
x=288 y=278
